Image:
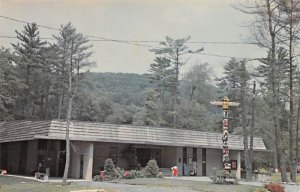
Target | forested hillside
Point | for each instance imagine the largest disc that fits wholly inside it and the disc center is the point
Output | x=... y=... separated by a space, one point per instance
x=121 y=88
x=122 y=98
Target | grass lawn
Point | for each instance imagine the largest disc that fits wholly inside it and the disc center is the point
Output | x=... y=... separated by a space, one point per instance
x=184 y=184
x=277 y=177
x=15 y=184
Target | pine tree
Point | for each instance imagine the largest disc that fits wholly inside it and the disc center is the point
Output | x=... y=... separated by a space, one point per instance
x=28 y=50
x=231 y=85
x=10 y=86
x=174 y=50
x=73 y=54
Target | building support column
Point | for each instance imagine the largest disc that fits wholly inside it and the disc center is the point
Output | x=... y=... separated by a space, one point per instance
x=238 y=171
x=75 y=164
x=88 y=161
x=179 y=159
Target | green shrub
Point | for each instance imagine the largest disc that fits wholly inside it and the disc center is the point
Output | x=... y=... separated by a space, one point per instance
x=110 y=170
x=139 y=174
x=96 y=178
x=160 y=175
x=129 y=174
x=108 y=178
x=223 y=177
x=274 y=187
x=151 y=170
x=263 y=171
x=261 y=189
x=119 y=173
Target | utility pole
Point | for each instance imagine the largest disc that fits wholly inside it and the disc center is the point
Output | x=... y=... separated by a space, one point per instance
x=225 y=105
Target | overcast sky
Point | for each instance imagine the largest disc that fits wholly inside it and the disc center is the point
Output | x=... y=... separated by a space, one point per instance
x=142 y=20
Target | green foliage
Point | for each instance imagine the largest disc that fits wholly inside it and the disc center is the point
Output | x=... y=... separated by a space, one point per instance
x=109 y=168
x=10 y=86
x=96 y=178
x=130 y=174
x=261 y=189
x=152 y=169
x=140 y=174
x=223 y=177
x=166 y=70
x=119 y=172
x=91 y=108
x=124 y=89
x=272 y=187
x=150 y=115
x=30 y=63
x=122 y=114
x=263 y=171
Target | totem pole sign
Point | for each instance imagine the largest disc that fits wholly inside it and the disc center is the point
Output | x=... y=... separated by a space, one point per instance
x=225 y=105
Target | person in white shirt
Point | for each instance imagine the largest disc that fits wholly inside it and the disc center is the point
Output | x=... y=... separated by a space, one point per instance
x=194 y=167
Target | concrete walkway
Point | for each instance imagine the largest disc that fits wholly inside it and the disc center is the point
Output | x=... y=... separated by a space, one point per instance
x=50 y=180
x=288 y=187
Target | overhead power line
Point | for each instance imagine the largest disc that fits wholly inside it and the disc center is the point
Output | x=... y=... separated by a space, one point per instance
x=201 y=53
x=132 y=41
x=94 y=38
x=26 y=22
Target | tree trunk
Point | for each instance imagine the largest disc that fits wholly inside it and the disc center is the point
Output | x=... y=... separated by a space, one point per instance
x=275 y=98
x=291 y=99
x=61 y=96
x=297 y=133
x=61 y=91
x=69 y=112
x=278 y=144
x=252 y=127
x=66 y=171
x=244 y=125
x=174 y=100
x=47 y=107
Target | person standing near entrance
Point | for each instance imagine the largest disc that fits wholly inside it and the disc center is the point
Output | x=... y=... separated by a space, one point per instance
x=40 y=167
x=194 y=167
x=185 y=169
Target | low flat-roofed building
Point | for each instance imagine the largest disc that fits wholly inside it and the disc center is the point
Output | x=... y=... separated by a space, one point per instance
x=24 y=144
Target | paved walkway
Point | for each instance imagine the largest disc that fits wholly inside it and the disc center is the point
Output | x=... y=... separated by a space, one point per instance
x=289 y=188
x=50 y=180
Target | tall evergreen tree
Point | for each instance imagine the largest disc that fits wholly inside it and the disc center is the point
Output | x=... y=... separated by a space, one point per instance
x=275 y=80
x=10 y=85
x=231 y=86
x=73 y=53
x=29 y=50
x=161 y=73
x=149 y=115
x=174 y=50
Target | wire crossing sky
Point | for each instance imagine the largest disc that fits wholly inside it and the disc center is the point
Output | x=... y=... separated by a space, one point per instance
x=122 y=32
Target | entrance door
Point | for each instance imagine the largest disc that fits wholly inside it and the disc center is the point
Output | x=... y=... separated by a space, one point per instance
x=156 y=154
x=62 y=159
x=81 y=166
x=4 y=155
x=23 y=157
x=184 y=161
x=203 y=162
x=143 y=156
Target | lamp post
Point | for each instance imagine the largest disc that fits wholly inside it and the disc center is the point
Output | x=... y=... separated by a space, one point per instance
x=225 y=105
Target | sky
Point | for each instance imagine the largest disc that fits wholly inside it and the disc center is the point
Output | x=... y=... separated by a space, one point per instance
x=140 y=20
